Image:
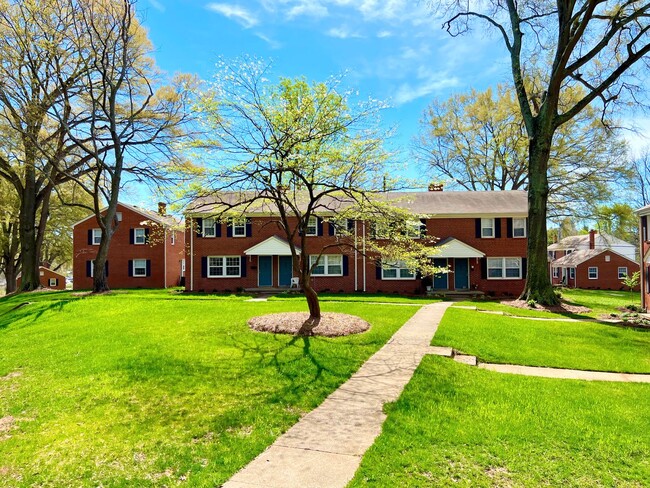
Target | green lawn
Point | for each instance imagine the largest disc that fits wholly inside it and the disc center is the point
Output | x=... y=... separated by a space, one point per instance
x=360 y=297
x=461 y=426
x=575 y=345
x=151 y=388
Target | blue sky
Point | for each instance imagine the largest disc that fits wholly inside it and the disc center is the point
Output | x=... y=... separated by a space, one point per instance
x=393 y=50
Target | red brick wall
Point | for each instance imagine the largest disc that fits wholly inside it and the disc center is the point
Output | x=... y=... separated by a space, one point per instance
x=607 y=272
x=263 y=228
x=122 y=251
x=45 y=275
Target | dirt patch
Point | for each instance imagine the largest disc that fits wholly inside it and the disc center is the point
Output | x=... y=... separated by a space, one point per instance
x=11 y=376
x=297 y=323
x=6 y=424
x=561 y=308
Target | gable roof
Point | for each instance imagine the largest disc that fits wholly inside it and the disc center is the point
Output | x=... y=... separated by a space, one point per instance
x=43 y=268
x=455 y=248
x=577 y=258
x=273 y=246
x=602 y=240
x=513 y=203
x=166 y=220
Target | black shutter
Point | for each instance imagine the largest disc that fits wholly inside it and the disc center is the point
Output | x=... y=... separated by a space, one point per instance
x=146 y=235
x=106 y=268
x=90 y=236
x=319 y=225
x=497 y=228
x=148 y=267
x=484 y=268
x=217 y=229
x=524 y=267
x=249 y=229
x=346 y=266
x=331 y=228
x=199 y=227
x=423 y=228
x=130 y=267
x=378 y=270
x=478 y=228
x=56 y=282
x=204 y=267
x=89 y=268
x=243 y=266
x=644 y=228
x=131 y=236
x=350 y=224
x=509 y=225
x=229 y=230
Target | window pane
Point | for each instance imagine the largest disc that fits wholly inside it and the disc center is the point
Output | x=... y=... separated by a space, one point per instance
x=389 y=273
x=512 y=272
x=495 y=273
x=512 y=262
x=495 y=262
x=405 y=273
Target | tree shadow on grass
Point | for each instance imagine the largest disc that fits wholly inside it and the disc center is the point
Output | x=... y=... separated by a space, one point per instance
x=28 y=312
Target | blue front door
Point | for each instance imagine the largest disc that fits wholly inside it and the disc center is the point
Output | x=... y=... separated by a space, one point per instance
x=265 y=271
x=461 y=274
x=440 y=280
x=286 y=271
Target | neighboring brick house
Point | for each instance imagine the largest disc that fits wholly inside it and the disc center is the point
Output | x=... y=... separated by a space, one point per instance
x=644 y=250
x=48 y=279
x=483 y=241
x=147 y=250
x=593 y=265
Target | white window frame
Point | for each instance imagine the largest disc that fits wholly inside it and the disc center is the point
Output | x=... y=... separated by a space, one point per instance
x=572 y=273
x=118 y=216
x=484 y=221
x=239 y=228
x=503 y=268
x=327 y=262
x=173 y=238
x=340 y=226
x=211 y=227
x=92 y=268
x=622 y=276
x=312 y=223
x=556 y=272
x=589 y=272
x=401 y=271
x=521 y=227
x=222 y=262
x=97 y=237
x=414 y=229
x=50 y=282
x=135 y=267
x=139 y=238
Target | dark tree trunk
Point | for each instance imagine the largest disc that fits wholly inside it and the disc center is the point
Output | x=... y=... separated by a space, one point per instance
x=312 y=301
x=538 y=284
x=29 y=253
x=11 y=272
x=108 y=225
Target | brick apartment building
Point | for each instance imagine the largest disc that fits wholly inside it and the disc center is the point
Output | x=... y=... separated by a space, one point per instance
x=482 y=240
x=592 y=261
x=47 y=278
x=147 y=250
x=644 y=250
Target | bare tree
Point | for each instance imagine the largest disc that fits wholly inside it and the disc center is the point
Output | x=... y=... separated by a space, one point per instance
x=598 y=45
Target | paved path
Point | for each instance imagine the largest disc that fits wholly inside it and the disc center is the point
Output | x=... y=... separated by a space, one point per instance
x=573 y=374
x=324 y=449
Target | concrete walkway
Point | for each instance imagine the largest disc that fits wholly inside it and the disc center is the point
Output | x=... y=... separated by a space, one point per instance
x=572 y=374
x=324 y=449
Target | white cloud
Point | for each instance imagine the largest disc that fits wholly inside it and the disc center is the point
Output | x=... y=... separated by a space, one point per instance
x=428 y=82
x=157 y=5
x=235 y=12
x=309 y=9
x=343 y=33
x=271 y=42
x=385 y=33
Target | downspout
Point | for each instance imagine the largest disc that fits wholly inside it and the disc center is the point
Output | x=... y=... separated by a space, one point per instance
x=364 y=254
x=191 y=256
x=642 y=283
x=165 y=256
x=356 y=259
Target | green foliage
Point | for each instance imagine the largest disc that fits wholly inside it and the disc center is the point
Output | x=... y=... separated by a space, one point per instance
x=632 y=281
x=461 y=426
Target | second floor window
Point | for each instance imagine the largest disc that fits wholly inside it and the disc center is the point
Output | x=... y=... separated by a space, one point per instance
x=312 y=226
x=139 y=236
x=487 y=228
x=239 y=228
x=97 y=237
x=209 y=228
x=518 y=227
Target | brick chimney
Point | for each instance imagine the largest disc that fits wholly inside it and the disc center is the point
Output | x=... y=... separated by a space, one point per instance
x=162 y=208
x=436 y=186
x=592 y=239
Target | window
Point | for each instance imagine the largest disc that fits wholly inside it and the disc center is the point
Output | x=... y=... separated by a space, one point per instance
x=224 y=266
x=118 y=216
x=518 y=227
x=608 y=258
x=622 y=272
x=97 y=237
x=139 y=236
x=92 y=268
x=328 y=265
x=593 y=273
x=396 y=270
x=312 y=226
x=487 y=228
x=209 y=229
x=52 y=282
x=556 y=272
x=342 y=226
x=414 y=229
x=139 y=267
x=239 y=228
x=568 y=251
x=503 y=268
x=572 y=273
x=173 y=238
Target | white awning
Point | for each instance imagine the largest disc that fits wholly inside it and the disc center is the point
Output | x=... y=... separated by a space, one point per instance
x=453 y=248
x=273 y=246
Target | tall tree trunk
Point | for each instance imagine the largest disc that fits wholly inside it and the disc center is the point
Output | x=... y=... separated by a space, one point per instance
x=312 y=301
x=538 y=284
x=100 y=280
x=11 y=272
x=29 y=256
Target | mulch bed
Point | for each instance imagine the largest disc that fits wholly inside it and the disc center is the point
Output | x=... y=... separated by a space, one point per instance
x=561 y=308
x=297 y=323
